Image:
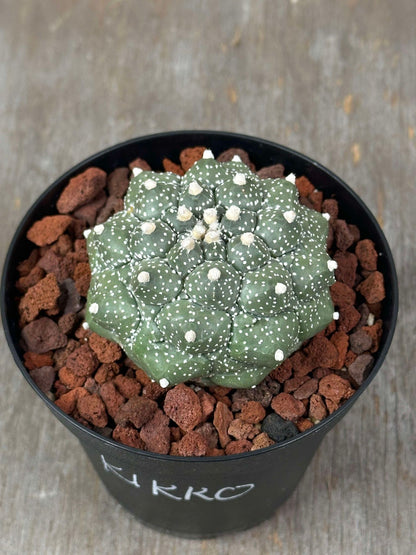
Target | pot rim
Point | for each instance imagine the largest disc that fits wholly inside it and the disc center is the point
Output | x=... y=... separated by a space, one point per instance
x=317 y=428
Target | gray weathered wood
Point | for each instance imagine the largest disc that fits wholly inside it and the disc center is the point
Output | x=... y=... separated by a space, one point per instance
x=335 y=80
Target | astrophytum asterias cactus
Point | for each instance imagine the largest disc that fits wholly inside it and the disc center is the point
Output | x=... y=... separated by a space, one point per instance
x=217 y=275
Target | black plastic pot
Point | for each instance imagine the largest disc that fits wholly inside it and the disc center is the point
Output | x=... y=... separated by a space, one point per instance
x=202 y=497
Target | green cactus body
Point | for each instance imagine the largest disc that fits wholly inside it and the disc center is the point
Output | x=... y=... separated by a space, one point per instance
x=216 y=275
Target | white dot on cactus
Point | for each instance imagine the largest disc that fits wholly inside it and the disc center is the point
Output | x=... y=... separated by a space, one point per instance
x=335 y=315
x=289 y=216
x=87 y=233
x=332 y=265
x=98 y=229
x=143 y=277
x=150 y=184
x=148 y=227
x=210 y=215
x=188 y=243
x=291 y=178
x=280 y=288
x=194 y=188
x=239 y=179
x=326 y=215
x=247 y=238
x=85 y=326
x=93 y=308
x=136 y=171
x=233 y=213
x=279 y=355
x=207 y=154
x=184 y=214
x=214 y=274
x=236 y=158
x=163 y=382
x=198 y=231
x=190 y=336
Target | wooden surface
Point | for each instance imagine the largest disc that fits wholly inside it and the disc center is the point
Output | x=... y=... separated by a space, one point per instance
x=333 y=79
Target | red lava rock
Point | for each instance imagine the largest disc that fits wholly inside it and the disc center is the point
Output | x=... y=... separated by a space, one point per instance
x=342 y=295
x=222 y=419
x=88 y=212
x=63 y=245
x=360 y=341
x=334 y=387
x=317 y=408
x=253 y=412
x=320 y=372
x=43 y=377
x=349 y=359
x=69 y=379
x=175 y=433
x=35 y=360
x=316 y=198
x=48 y=229
x=229 y=154
x=360 y=368
x=43 y=335
x=341 y=342
x=31 y=279
x=307 y=389
x=240 y=429
x=128 y=436
x=140 y=163
x=302 y=364
x=286 y=406
x=330 y=206
x=93 y=410
x=372 y=288
x=193 y=444
x=271 y=172
x=347 y=267
x=261 y=440
x=91 y=386
x=343 y=236
x=152 y=390
x=367 y=254
x=348 y=318
x=238 y=446
x=111 y=207
x=170 y=166
x=322 y=352
x=82 y=277
x=137 y=410
x=42 y=296
x=54 y=264
x=156 y=433
x=82 y=361
x=106 y=372
x=375 y=332
x=189 y=156
x=81 y=189
x=304 y=424
x=208 y=431
x=283 y=371
x=331 y=405
x=304 y=186
x=207 y=403
x=68 y=401
x=67 y=323
x=118 y=182
x=105 y=350
x=128 y=387
x=141 y=375
x=182 y=405
x=294 y=383
x=111 y=397
x=26 y=266
x=355 y=232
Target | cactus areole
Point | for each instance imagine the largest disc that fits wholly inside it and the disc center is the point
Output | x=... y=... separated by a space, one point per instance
x=217 y=275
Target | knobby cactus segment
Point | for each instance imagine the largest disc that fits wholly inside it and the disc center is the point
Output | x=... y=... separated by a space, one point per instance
x=218 y=275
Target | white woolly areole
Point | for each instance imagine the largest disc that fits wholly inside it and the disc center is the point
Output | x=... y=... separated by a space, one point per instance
x=247 y=238
x=335 y=315
x=85 y=326
x=184 y=214
x=280 y=288
x=210 y=216
x=143 y=277
x=239 y=179
x=291 y=178
x=98 y=229
x=236 y=158
x=326 y=215
x=332 y=265
x=198 y=231
x=93 y=308
x=233 y=213
x=207 y=154
x=150 y=184
x=214 y=274
x=279 y=355
x=86 y=233
x=163 y=382
x=148 y=227
x=136 y=171
x=212 y=236
x=190 y=336
x=194 y=188
x=188 y=243
x=289 y=216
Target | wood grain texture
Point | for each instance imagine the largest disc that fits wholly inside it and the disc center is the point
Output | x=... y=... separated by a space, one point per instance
x=335 y=80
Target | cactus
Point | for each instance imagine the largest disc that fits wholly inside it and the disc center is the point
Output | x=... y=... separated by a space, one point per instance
x=217 y=276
